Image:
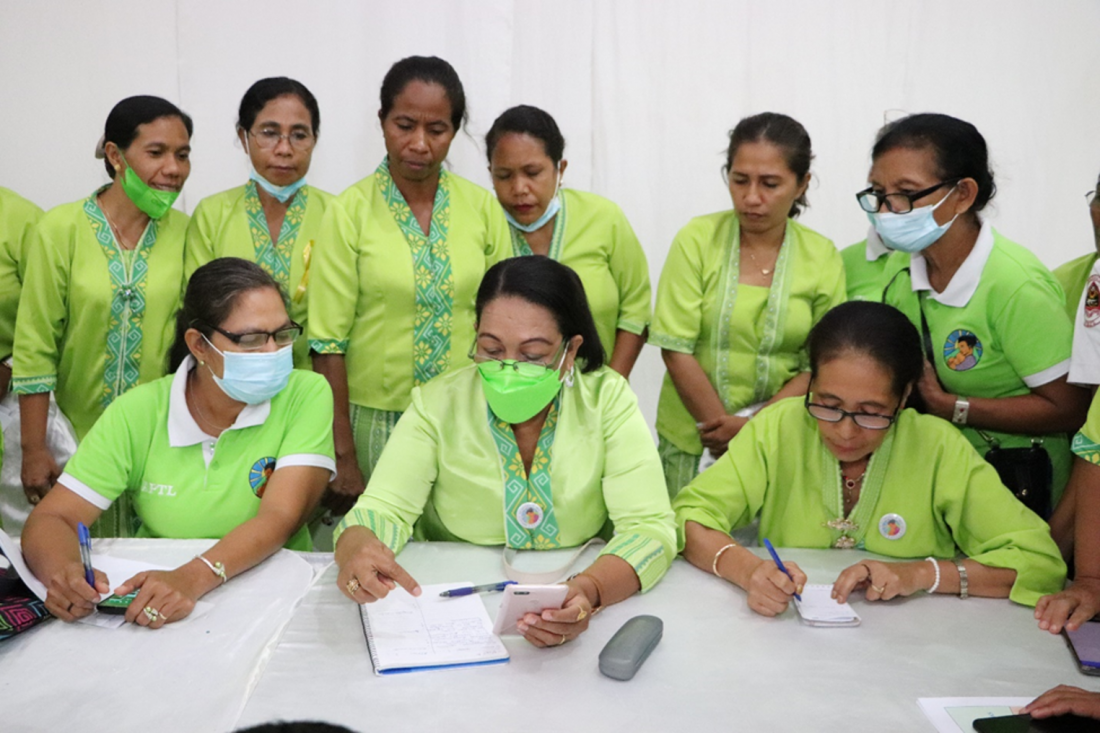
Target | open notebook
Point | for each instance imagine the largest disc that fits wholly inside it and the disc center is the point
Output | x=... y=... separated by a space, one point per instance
x=406 y=633
x=819 y=608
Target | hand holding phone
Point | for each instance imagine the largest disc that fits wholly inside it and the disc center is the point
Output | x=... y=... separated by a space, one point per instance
x=522 y=599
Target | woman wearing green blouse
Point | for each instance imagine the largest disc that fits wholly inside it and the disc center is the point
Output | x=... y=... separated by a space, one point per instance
x=579 y=229
x=274 y=219
x=845 y=466
x=394 y=283
x=537 y=446
x=102 y=287
x=738 y=295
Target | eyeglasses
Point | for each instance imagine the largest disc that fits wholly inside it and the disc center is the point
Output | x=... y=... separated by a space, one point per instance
x=268 y=137
x=868 y=420
x=897 y=203
x=524 y=368
x=258 y=339
x=1090 y=198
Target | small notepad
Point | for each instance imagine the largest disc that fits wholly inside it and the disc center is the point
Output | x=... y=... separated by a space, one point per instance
x=819 y=608
x=406 y=633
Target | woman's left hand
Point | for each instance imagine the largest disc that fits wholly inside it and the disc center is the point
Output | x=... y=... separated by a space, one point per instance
x=554 y=627
x=716 y=434
x=936 y=400
x=165 y=596
x=880 y=581
x=1064 y=699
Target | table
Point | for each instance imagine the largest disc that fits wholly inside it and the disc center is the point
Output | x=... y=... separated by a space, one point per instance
x=719 y=665
x=280 y=647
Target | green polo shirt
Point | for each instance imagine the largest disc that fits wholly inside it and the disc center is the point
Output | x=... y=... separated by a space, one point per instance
x=1072 y=276
x=185 y=484
x=864 y=263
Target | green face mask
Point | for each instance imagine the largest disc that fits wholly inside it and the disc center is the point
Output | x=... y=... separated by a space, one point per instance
x=516 y=391
x=152 y=201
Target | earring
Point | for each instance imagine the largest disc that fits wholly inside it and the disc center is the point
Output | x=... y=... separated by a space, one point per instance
x=569 y=376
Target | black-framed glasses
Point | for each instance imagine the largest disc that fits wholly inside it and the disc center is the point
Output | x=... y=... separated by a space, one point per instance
x=1090 y=198
x=868 y=420
x=268 y=137
x=897 y=203
x=525 y=368
x=258 y=339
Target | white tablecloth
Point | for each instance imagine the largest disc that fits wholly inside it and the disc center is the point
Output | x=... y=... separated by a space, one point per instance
x=718 y=667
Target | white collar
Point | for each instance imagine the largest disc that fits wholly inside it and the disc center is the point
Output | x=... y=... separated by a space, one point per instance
x=964 y=283
x=182 y=428
x=875 y=246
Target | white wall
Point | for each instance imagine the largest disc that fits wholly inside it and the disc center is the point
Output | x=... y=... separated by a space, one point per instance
x=644 y=91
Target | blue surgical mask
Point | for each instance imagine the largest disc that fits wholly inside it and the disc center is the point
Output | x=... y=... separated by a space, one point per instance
x=912 y=232
x=552 y=210
x=254 y=377
x=282 y=193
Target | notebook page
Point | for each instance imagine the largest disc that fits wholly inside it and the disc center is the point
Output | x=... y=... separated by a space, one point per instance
x=404 y=631
x=818 y=605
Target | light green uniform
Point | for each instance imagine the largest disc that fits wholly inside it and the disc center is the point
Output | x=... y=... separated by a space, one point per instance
x=749 y=340
x=96 y=320
x=17 y=219
x=454 y=467
x=1072 y=276
x=1008 y=301
x=398 y=304
x=186 y=484
x=864 y=264
x=1086 y=443
x=592 y=236
x=232 y=224
x=926 y=493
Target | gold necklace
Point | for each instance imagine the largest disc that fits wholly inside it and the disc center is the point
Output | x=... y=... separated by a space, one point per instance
x=114 y=229
x=763 y=270
x=202 y=415
x=850 y=484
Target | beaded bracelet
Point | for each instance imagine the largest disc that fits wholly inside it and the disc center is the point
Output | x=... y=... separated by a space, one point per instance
x=718 y=556
x=936 y=565
x=217 y=568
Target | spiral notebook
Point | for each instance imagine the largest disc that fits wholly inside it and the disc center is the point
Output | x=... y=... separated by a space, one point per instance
x=819 y=608
x=407 y=634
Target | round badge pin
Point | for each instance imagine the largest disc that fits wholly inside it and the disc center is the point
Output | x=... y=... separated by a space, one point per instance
x=529 y=515
x=891 y=526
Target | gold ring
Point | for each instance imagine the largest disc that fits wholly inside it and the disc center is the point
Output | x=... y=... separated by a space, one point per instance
x=876 y=589
x=563 y=640
x=353 y=586
x=150 y=613
x=583 y=616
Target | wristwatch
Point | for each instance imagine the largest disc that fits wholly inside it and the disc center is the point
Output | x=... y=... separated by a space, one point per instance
x=962 y=411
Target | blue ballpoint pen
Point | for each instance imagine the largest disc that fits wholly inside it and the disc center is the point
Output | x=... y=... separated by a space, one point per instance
x=487 y=588
x=779 y=564
x=86 y=552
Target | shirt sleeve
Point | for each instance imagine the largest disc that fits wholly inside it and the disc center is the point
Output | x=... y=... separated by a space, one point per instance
x=834 y=291
x=634 y=491
x=678 y=315
x=630 y=270
x=199 y=247
x=104 y=465
x=1086 y=443
x=43 y=311
x=498 y=242
x=1036 y=334
x=992 y=527
x=730 y=493
x=308 y=440
x=334 y=291
x=402 y=480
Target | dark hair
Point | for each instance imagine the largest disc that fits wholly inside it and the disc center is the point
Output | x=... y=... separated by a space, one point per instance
x=969 y=339
x=430 y=70
x=787 y=134
x=527 y=120
x=265 y=90
x=297 y=726
x=212 y=293
x=880 y=331
x=123 y=121
x=545 y=282
x=959 y=148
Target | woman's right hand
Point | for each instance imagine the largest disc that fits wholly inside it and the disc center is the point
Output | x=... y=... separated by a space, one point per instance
x=40 y=472
x=1070 y=608
x=68 y=595
x=344 y=490
x=368 y=569
x=770 y=590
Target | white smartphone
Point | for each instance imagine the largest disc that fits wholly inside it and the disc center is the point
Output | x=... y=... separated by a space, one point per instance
x=521 y=599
